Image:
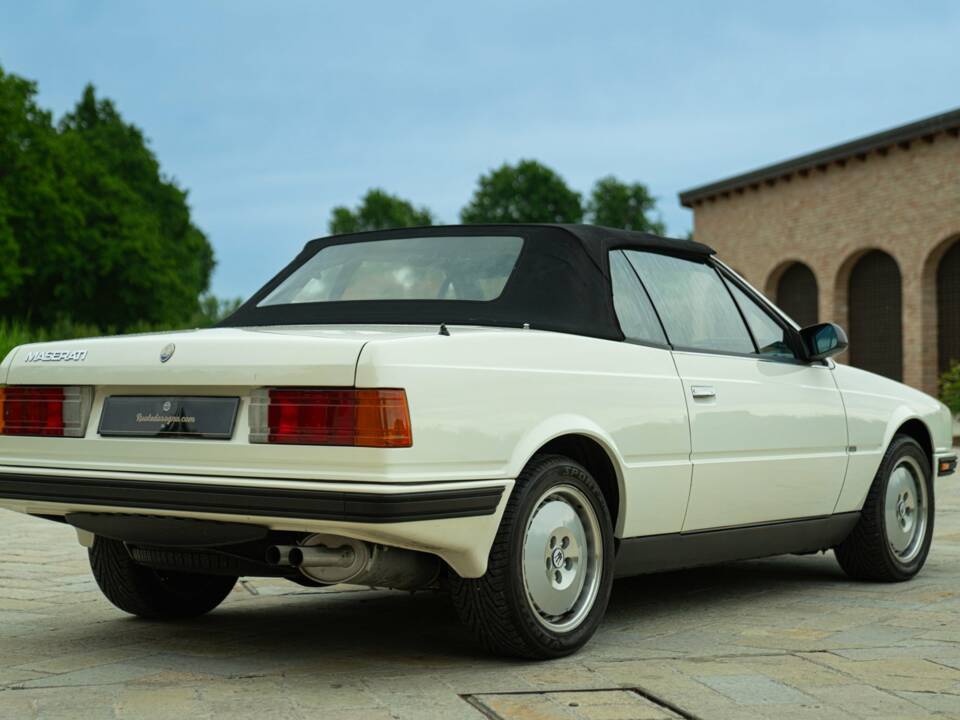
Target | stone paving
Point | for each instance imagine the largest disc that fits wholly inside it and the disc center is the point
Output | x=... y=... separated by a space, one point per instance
x=783 y=638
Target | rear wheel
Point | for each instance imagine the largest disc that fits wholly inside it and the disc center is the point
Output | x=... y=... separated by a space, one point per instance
x=154 y=594
x=891 y=541
x=551 y=565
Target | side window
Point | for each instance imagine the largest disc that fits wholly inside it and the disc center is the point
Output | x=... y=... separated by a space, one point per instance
x=696 y=309
x=638 y=320
x=770 y=336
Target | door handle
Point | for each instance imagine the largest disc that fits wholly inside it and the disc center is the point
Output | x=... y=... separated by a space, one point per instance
x=701 y=392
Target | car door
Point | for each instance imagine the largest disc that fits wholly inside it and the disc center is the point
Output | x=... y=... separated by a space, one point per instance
x=650 y=422
x=768 y=430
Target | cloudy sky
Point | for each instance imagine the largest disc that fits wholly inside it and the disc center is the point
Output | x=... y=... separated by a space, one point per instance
x=271 y=113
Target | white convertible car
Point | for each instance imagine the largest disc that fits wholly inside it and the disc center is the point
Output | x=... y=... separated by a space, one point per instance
x=516 y=413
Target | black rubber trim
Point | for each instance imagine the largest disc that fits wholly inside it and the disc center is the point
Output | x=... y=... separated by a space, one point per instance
x=673 y=551
x=166 y=531
x=263 y=502
x=951 y=468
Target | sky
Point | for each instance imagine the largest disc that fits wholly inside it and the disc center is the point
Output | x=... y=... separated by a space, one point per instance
x=272 y=113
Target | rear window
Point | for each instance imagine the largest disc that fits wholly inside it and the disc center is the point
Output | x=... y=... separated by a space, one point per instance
x=424 y=268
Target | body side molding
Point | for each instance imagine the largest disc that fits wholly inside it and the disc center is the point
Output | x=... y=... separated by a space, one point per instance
x=673 y=551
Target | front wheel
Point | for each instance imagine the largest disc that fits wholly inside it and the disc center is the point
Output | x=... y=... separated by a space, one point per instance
x=891 y=540
x=551 y=565
x=154 y=594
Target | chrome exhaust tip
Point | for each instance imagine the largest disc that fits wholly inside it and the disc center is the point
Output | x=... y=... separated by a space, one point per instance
x=279 y=555
x=322 y=557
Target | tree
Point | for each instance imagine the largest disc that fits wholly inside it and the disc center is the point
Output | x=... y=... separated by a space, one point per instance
x=213 y=309
x=527 y=192
x=620 y=205
x=378 y=210
x=29 y=202
x=950 y=388
x=102 y=236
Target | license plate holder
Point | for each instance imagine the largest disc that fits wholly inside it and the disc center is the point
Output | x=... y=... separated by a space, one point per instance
x=169 y=416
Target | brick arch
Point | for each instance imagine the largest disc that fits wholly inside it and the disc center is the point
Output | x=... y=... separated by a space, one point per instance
x=868 y=297
x=940 y=309
x=793 y=286
x=773 y=277
x=841 y=283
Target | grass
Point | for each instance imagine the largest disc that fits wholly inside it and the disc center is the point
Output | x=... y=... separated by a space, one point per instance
x=210 y=310
x=14 y=333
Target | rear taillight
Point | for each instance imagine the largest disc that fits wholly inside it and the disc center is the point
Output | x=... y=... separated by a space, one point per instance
x=335 y=416
x=44 y=410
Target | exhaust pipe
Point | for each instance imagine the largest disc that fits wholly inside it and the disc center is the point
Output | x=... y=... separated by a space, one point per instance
x=279 y=555
x=318 y=556
x=322 y=557
x=332 y=560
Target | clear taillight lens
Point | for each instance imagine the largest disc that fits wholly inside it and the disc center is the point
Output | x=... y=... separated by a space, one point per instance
x=44 y=410
x=331 y=416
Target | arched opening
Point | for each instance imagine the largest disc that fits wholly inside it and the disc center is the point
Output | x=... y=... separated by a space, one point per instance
x=796 y=294
x=948 y=308
x=874 y=300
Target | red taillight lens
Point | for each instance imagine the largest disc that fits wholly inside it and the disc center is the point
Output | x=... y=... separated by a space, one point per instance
x=44 y=411
x=311 y=417
x=362 y=418
x=33 y=411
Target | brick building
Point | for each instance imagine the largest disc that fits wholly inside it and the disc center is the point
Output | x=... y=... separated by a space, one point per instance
x=865 y=234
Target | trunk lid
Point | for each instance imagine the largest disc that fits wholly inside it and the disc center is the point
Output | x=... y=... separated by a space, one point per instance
x=214 y=357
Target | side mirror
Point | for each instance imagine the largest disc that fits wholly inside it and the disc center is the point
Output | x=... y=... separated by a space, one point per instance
x=823 y=340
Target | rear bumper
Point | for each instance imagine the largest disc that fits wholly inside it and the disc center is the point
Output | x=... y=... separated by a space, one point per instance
x=455 y=520
x=225 y=499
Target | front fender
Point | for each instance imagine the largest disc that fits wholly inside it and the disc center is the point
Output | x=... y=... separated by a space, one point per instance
x=876 y=409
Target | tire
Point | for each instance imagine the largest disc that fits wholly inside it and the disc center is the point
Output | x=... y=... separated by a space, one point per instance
x=551 y=495
x=154 y=594
x=891 y=541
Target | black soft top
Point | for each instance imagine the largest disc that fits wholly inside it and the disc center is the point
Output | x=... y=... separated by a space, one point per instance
x=561 y=282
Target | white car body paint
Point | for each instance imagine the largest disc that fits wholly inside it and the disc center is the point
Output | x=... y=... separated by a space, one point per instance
x=876 y=407
x=773 y=444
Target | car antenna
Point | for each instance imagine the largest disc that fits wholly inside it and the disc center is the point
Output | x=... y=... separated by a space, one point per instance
x=443 y=330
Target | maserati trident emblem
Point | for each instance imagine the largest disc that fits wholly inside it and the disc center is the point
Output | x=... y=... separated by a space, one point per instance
x=557 y=557
x=167 y=352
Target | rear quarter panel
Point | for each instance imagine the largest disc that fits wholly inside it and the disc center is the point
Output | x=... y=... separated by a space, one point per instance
x=876 y=408
x=5 y=365
x=482 y=404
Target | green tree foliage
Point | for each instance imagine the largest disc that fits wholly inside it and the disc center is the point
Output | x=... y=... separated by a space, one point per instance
x=213 y=309
x=99 y=235
x=29 y=197
x=950 y=388
x=621 y=205
x=378 y=210
x=527 y=192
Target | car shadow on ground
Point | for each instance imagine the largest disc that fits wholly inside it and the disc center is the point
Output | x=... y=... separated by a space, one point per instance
x=354 y=630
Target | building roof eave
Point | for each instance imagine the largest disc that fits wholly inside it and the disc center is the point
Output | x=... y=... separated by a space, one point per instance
x=926 y=128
